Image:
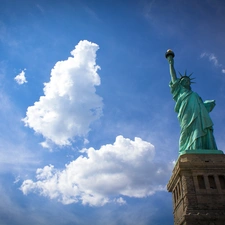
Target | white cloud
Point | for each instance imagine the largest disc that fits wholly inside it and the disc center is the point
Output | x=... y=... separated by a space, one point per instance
x=120 y=201
x=212 y=58
x=20 y=78
x=69 y=104
x=86 y=141
x=125 y=168
x=45 y=144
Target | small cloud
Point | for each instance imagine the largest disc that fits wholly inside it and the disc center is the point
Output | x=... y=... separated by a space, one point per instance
x=20 y=78
x=86 y=141
x=124 y=168
x=147 y=9
x=213 y=59
x=40 y=8
x=17 y=180
x=120 y=201
x=47 y=144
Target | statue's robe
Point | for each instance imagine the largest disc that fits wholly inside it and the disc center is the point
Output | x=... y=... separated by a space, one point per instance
x=193 y=115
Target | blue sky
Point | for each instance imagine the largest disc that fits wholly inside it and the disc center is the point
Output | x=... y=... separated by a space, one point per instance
x=88 y=130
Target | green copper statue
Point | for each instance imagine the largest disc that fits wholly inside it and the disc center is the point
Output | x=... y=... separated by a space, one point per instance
x=193 y=114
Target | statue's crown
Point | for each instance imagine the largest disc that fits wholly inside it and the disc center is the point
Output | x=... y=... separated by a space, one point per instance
x=186 y=76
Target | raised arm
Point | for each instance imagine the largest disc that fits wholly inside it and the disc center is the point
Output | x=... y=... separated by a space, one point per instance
x=169 y=56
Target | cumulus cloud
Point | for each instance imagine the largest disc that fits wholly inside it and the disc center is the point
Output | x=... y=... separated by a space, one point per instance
x=213 y=59
x=124 y=168
x=20 y=78
x=70 y=103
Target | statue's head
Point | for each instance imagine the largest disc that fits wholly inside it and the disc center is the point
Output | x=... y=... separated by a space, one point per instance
x=186 y=80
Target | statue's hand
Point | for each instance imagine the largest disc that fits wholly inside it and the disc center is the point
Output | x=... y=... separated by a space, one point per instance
x=170 y=60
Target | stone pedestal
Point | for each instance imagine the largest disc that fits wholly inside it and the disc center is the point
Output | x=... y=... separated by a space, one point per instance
x=198 y=188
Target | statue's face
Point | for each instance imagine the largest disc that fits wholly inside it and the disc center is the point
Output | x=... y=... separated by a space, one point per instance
x=186 y=82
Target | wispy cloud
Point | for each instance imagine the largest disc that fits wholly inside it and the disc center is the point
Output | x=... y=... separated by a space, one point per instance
x=20 y=78
x=213 y=59
x=69 y=104
x=147 y=8
x=124 y=168
x=15 y=154
x=39 y=7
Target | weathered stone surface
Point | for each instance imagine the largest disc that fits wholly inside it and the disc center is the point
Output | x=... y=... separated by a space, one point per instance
x=197 y=184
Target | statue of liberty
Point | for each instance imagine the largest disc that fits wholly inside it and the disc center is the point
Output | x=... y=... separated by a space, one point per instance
x=193 y=114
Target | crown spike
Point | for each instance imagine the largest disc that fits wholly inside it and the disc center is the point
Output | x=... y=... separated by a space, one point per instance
x=180 y=74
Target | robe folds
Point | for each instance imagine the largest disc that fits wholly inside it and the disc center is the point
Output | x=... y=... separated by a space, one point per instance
x=193 y=115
